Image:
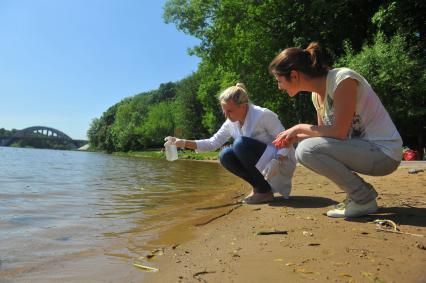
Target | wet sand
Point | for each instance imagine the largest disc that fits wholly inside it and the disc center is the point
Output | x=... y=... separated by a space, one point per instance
x=220 y=243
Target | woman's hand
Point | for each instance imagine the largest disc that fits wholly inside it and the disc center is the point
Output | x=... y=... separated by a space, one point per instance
x=286 y=138
x=173 y=140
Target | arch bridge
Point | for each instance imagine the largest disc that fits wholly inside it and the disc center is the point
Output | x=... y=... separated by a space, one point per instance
x=41 y=132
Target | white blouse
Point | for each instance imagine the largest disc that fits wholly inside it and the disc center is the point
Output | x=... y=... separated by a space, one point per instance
x=263 y=125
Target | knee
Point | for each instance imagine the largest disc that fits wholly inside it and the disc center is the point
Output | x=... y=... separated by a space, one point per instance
x=240 y=144
x=306 y=149
x=226 y=156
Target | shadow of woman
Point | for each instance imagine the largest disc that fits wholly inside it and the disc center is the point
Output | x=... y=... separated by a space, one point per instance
x=413 y=216
x=303 y=202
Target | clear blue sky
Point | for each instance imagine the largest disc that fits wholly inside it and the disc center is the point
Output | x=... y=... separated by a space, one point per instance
x=64 y=62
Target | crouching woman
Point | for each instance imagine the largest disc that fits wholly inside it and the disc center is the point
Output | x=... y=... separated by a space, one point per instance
x=252 y=155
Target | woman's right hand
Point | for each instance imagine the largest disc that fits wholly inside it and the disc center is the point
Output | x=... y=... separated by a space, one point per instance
x=170 y=139
x=178 y=142
x=285 y=138
x=280 y=143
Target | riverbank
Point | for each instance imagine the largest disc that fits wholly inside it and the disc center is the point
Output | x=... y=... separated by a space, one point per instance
x=183 y=154
x=228 y=245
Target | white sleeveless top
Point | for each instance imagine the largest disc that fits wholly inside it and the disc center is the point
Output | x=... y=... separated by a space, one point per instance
x=371 y=121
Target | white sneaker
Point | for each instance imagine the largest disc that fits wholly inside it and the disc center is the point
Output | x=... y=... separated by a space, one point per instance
x=343 y=203
x=349 y=208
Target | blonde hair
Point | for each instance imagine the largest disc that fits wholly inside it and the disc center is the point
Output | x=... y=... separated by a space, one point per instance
x=236 y=93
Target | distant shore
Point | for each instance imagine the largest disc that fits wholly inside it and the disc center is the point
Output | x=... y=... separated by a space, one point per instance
x=183 y=154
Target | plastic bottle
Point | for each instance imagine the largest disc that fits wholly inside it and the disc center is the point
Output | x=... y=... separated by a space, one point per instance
x=171 y=151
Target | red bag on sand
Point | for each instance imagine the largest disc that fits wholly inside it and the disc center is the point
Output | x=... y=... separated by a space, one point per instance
x=410 y=154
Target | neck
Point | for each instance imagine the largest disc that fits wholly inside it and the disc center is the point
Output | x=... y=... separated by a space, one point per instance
x=245 y=115
x=318 y=85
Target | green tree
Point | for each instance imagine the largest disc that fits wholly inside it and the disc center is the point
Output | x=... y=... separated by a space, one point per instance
x=127 y=127
x=407 y=19
x=241 y=38
x=166 y=91
x=158 y=124
x=188 y=110
x=100 y=134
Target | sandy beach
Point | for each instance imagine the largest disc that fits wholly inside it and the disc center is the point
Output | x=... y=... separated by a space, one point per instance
x=229 y=242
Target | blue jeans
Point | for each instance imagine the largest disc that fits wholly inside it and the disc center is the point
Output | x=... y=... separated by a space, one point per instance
x=241 y=158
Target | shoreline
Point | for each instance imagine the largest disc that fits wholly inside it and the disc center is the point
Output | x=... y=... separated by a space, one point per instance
x=314 y=248
x=183 y=155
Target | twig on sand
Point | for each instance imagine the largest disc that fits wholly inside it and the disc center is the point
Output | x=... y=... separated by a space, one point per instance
x=195 y=275
x=214 y=218
x=202 y=272
x=219 y=206
x=276 y=232
x=399 y=232
x=146 y=268
x=239 y=195
x=387 y=225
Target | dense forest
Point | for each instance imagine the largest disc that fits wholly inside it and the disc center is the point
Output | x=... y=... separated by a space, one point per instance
x=382 y=40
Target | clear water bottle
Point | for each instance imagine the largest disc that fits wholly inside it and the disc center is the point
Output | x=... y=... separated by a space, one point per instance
x=171 y=151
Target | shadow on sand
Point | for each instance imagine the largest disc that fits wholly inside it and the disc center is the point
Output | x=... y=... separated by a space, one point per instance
x=413 y=216
x=303 y=202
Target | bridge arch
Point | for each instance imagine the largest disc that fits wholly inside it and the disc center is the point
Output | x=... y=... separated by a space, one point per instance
x=42 y=130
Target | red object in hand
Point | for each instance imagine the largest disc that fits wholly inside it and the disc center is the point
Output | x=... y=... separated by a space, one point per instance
x=281 y=143
x=410 y=155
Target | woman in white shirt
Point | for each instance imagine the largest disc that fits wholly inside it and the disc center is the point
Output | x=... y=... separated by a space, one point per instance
x=252 y=155
x=354 y=133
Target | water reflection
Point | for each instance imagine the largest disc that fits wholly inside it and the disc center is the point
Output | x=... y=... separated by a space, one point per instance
x=54 y=204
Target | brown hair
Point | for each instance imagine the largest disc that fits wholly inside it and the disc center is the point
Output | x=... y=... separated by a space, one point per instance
x=309 y=61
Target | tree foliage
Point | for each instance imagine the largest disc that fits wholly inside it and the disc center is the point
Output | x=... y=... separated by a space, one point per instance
x=384 y=40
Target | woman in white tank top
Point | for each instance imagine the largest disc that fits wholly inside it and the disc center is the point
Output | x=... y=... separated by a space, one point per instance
x=354 y=132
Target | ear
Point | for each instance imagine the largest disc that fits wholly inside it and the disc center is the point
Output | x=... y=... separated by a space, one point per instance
x=294 y=75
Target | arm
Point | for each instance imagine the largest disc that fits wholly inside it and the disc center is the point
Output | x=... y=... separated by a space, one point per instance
x=191 y=144
x=213 y=143
x=344 y=110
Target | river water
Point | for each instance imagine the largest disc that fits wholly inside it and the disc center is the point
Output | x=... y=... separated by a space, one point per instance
x=86 y=217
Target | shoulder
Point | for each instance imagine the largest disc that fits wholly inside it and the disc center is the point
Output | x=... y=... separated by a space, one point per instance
x=340 y=74
x=256 y=108
x=259 y=109
x=228 y=124
x=262 y=114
